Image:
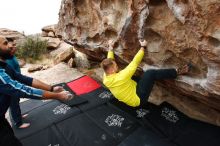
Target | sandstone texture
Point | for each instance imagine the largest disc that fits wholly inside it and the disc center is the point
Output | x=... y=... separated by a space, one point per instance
x=178 y=32
x=11 y=34
x=59 y=73
x=48 y=31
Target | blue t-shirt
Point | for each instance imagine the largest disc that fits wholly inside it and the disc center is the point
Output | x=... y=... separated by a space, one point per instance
x=14 y=64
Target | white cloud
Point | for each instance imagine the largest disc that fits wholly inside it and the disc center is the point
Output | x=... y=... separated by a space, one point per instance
x=28 y=15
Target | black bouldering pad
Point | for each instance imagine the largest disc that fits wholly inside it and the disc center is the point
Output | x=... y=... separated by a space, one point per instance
x=103 y=120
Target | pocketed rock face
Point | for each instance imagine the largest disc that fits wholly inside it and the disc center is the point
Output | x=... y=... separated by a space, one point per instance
x=178 y=32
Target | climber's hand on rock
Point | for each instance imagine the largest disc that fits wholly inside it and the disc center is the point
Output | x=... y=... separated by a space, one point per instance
x=110 y=45
x=143 y=43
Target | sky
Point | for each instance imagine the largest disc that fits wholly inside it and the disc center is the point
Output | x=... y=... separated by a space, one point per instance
x=28 y=15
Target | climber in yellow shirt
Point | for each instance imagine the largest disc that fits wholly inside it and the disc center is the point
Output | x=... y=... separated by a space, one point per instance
x=127 y=90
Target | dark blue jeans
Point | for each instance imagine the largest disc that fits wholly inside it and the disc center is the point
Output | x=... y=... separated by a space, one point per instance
x=15 y=112
x=146 y=82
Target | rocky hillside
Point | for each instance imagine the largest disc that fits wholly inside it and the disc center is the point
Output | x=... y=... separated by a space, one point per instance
x=11 y=34
x=178 y=32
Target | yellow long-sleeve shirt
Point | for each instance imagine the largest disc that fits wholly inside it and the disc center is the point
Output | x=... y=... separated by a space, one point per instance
x=121 y=85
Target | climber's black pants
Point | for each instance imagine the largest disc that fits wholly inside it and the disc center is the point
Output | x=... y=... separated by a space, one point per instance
x=7 y=137
x=146 y=82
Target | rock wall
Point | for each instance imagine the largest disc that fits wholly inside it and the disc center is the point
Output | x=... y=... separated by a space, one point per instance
x=178 y=32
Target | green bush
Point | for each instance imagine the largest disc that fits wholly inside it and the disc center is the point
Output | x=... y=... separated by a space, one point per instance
x=32 y=47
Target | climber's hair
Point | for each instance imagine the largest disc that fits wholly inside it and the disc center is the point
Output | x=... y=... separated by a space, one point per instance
x=107 y=63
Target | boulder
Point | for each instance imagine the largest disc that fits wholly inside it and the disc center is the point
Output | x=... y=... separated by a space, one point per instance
x=64 y=56
x=35 y=68
x=51 y=34
x=64 y=50
x=48 y=33
x=81 y=60
x=71 y=63
x=57 y=74
x=52 y=43
x=49 y=28
x=11 y=34
x=178 y=32
x=44 y=34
